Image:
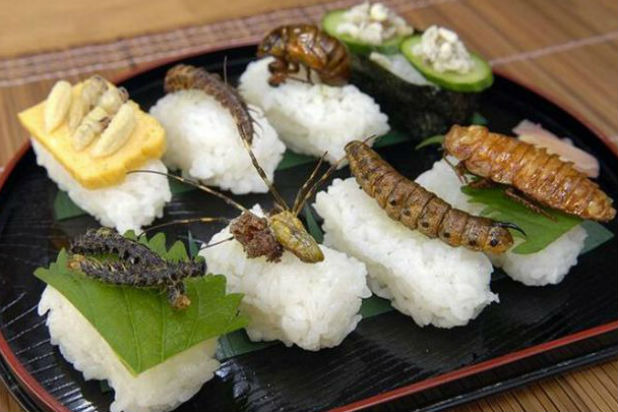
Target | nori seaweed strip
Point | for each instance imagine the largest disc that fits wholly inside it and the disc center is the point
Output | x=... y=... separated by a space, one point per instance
x=419 y=111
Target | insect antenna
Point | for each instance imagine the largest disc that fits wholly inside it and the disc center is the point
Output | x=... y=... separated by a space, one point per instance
x=317 y=184
x=197 y=185
x=206 y=245
x=513 y=226
x=278 y=199
x=302 y=192
x=184 y=222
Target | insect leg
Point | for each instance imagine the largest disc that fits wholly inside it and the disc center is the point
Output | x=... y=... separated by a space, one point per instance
x=195 y=184
x=177 y=297
x=481 y=183
x=252 y=112
x=459 y=169
x=278 y=199
x=512 y=194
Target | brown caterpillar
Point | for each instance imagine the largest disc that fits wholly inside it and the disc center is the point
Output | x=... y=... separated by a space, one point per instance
x=419 y=209
x=305 y=44
x=136 y=264
x=185 y=77
x=537 y=174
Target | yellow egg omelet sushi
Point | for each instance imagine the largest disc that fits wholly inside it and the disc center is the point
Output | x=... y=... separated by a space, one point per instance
x=88 y=136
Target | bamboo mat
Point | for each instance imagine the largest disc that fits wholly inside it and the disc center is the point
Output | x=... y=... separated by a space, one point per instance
x=566 y=48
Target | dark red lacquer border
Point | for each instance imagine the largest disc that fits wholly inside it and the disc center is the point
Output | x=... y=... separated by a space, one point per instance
x=34 y=388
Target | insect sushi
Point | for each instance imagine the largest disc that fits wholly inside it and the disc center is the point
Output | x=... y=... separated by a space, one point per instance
x=539 y=175
x=87 y=136
x=310 y=305
x=207 y=123
x=411 y=270
x=300 y=84
x=107 y=302
x=431 y=74
x=305 y=44
x=538 y=180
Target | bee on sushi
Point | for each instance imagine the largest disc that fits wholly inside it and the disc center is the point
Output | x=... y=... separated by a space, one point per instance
x=419 y=209
x=307 y=45
x=133 y=264
x=528 y=170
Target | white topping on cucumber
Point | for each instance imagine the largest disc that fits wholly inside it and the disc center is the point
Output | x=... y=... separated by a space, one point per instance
x=441 y=49
x=372 y=23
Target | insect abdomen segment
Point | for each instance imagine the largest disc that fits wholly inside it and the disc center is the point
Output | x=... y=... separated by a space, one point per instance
x=419 y=209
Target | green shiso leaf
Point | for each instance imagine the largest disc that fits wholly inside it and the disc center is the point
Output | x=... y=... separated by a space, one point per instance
x=389 y=139
x=437 y=139
x=177 y=187
x=312 y=225
x=139 y=324
x=478 y=119
x=64 y=208
x=540 y=230
x=291 y=159
x=597 y=235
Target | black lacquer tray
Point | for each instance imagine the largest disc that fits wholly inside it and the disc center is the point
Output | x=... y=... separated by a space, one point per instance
x=388 y=362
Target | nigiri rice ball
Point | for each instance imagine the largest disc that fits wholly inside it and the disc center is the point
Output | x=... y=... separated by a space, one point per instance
x=133 y=203
x=424 y=278
x=158 y=389
x=545 y=267
x=203 y=141
x=313 y=118
x=312 y=305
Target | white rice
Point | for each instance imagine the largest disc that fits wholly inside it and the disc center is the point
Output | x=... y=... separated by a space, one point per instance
x=548 y=266
x=313 y=306
x=424 y=278
x=134 y=203
x=158 y=389
x=312 y=119
x=203 y=141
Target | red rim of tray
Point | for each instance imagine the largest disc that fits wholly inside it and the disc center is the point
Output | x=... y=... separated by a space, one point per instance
x=35 y=389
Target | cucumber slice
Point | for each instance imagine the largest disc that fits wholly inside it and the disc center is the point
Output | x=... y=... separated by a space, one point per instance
x=476 y=80
x=333 y=19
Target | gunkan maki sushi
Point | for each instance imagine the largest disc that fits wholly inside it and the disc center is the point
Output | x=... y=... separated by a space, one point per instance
x=424 y=81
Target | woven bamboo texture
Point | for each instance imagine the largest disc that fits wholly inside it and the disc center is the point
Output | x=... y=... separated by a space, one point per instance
x=566 y=48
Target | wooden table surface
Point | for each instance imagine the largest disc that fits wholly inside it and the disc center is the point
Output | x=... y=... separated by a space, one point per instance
x=566 y=48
